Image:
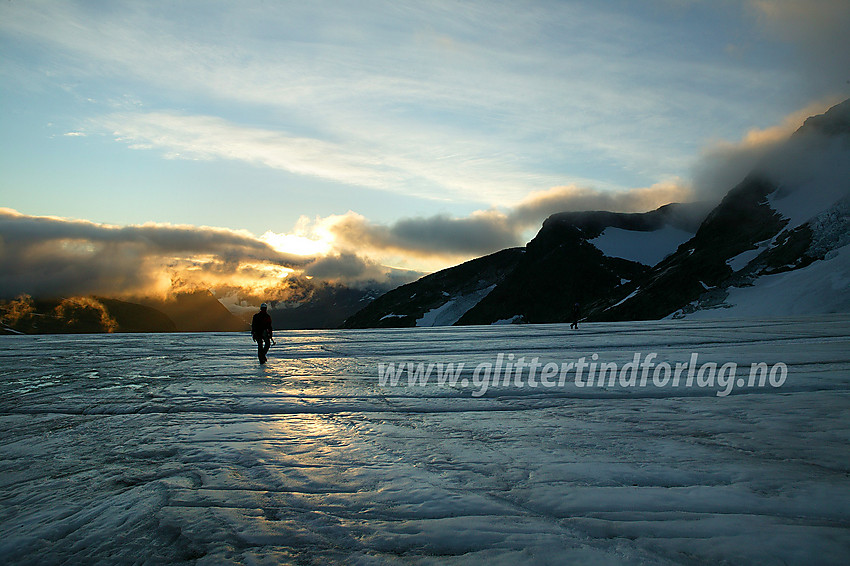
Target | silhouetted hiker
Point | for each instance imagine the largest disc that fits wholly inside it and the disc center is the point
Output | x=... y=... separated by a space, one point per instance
x=261 y=332
x=576 y=316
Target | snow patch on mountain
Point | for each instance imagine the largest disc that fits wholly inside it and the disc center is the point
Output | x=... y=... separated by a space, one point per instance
x=740 y=261
x=647 y=248
x=632 y=294
x=821 y=288
x=805 y=202
x=516 y=319
x=450 y=312
x=393 y=315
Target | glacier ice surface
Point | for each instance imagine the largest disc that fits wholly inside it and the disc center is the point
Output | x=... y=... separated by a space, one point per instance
x=181 y=448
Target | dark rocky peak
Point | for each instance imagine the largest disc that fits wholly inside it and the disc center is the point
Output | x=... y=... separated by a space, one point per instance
x=833 y=122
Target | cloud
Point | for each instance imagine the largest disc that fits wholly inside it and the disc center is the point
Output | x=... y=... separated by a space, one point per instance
x=53 y=257
x=416 y=164
x=819 y=29
x=440 y=235
x=210 y=137
x=351 y=269
x=477 y=102
x=487 y=231
x=539 y=205
x=724 y=164
x=23 y=230
x=50 y=256
x=72 y=310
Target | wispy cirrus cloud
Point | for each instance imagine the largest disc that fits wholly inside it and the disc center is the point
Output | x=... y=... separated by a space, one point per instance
x=443 y=175
x=469 y=101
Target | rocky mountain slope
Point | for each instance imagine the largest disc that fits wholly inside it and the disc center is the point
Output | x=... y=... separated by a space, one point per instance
x=25 y=315
x=441 y=298
x=565 y=263
x=775 y=239
x=771 y=224
x=197 y=311
x=540 y=282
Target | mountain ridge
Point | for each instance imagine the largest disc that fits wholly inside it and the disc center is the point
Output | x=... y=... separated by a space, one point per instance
x=764 y=226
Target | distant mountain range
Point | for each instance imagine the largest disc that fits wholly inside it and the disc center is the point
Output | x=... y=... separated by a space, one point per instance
x=184 y=312
x=198 y=311
x=327 y=307
x=767 y=249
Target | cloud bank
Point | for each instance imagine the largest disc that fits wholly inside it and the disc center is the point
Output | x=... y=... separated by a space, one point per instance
x=487 y=231
x=52 y=257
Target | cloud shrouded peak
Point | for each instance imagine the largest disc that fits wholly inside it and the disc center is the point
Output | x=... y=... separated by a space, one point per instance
x=787 y=152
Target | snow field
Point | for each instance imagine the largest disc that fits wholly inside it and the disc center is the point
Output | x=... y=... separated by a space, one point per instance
x=648 y=247
x=821 y=288
x=181 y=448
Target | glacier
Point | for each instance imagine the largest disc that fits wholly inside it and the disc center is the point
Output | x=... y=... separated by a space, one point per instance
x=451 y=311
x=823 y=287
x=180 y=448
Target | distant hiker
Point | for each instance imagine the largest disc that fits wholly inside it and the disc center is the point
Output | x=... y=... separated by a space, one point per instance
x=261 y=332
x=576 y=316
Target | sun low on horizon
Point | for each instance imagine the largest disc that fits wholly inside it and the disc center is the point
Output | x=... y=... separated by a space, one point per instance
x=246 y=147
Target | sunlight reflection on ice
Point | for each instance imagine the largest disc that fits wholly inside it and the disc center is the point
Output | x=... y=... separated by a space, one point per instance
x=185 y=449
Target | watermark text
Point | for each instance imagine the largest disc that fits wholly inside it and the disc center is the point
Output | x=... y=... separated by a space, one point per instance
x=510 y=370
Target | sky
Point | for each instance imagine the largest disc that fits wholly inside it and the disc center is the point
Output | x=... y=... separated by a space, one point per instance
x=148 y=145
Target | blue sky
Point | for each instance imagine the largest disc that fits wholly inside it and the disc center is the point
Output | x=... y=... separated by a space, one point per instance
x=280 y=118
